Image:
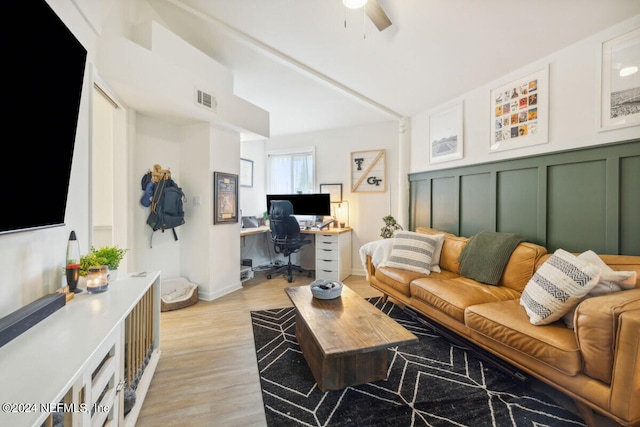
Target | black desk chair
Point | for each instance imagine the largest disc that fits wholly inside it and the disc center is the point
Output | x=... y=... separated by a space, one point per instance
x=286 y=237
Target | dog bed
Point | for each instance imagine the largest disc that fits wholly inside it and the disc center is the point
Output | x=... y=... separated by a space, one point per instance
x=178 y=293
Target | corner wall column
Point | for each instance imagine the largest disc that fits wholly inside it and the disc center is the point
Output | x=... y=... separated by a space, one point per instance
x=404 y=154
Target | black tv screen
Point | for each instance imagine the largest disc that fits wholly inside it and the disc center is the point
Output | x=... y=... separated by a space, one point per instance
x=304 y=204
x=44 y=66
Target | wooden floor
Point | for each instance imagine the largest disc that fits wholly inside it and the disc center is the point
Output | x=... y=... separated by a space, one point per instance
x=208 y=374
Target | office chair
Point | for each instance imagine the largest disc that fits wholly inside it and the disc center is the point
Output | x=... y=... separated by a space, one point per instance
x=286 y=237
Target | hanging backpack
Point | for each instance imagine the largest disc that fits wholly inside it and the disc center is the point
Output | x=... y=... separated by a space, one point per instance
x=166 y=207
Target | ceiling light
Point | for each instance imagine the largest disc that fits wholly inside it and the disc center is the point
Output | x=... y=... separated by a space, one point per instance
x=627 y=71
x=354 y=4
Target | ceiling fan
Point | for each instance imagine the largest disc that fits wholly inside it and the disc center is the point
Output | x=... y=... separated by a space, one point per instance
x=373 y=11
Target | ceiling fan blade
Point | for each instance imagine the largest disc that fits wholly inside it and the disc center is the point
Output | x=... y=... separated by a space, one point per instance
x=377 y=15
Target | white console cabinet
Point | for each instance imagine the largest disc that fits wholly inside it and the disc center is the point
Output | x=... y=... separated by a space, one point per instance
x=79 y=360
x=333 y=254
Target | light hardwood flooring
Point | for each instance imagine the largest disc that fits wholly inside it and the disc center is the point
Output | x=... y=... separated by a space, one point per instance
x=207 y=374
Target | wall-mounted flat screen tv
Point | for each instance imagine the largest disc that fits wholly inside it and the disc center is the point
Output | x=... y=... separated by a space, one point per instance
x=304 y=204
x=44 y=67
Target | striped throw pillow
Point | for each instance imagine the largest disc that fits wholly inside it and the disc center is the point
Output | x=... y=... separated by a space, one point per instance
x=412 y=251
x=557 y=286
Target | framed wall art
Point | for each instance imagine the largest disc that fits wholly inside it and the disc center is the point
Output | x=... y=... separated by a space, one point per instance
x=620 y=82
x=225 y=198
x=246 y=173
x=520 y=112
x=445 y=135
x=368 y=171
x=334 y=191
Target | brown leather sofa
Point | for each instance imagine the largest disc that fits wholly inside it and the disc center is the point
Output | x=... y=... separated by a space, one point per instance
x=597 y=363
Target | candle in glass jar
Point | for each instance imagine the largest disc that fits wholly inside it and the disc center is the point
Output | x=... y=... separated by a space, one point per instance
x=98 y=279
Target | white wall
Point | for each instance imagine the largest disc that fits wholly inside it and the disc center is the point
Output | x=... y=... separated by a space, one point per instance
x=206 y=254
x=195 y=182
x=156 y=142
x=210 y=253
x=573 y=108
x=252 y=199
x=224 y=239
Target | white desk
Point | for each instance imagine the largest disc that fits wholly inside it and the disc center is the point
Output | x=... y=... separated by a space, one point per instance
x=332 y=250
x=257 y=230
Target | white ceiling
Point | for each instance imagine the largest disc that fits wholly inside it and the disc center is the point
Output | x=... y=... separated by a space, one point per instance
x=296 y=59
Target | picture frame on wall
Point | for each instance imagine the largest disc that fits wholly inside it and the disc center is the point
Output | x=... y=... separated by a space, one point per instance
x=520 y=112
x=225 y=198
x=368 y=171
x=446 y=140
x=620 y=82
x=334 y=191
x=246 y=173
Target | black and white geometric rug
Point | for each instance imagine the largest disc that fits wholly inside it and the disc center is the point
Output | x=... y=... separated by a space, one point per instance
x=431 y=383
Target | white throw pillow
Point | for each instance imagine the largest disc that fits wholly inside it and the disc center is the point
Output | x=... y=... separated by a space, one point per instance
x=557 y=286
x=627 y=279
x=435 y=260
x=610 y=281
x=412 y=251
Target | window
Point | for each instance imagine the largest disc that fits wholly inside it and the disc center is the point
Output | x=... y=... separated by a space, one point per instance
x=291 y=171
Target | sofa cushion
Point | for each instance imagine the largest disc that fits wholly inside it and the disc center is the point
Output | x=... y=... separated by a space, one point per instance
x=451 y=250
x=596 y=328
x=522 y=265
x=507 y=323
x=397 y=278
x=557 y=286
x=412 y=251
x=453 y=295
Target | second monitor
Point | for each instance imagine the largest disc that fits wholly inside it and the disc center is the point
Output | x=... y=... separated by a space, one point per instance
x=317 y=204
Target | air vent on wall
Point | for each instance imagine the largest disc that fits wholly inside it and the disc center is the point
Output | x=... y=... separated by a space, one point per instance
x=206 y=100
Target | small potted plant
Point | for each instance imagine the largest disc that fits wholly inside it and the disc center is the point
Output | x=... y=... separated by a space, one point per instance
x=106 y=255
x=390 y=226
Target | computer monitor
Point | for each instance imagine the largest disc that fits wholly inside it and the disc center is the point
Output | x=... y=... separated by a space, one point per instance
x=304 y=204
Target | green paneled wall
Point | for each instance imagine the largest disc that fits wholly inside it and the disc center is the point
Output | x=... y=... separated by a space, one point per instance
x=580 y=199
x=444 y=208
x=476 y=207
x=576 y=214
x=630 y=204
x=517 y=202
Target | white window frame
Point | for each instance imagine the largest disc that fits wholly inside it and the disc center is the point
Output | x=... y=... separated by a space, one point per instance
x=290 y=151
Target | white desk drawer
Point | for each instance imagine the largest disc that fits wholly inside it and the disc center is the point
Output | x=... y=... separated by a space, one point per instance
x=327 y=265
x=327 y=254
x=333 y=255
x=327 y=240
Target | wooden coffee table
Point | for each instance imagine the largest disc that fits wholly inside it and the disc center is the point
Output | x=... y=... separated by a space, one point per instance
x=344 y=340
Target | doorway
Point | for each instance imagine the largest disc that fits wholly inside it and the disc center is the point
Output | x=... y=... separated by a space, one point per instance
x=108 y=187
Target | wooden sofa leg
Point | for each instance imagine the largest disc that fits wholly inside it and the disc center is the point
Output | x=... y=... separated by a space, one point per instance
x=384 y=298
x=587 y=414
